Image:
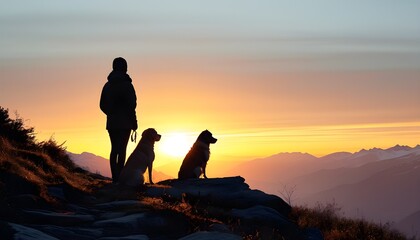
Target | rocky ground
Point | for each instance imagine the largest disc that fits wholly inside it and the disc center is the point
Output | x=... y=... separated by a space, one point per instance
x=219 y=208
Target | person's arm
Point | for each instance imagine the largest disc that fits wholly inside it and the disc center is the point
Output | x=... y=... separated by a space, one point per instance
x=132 y=98
x=132 y=104
x=103 y=103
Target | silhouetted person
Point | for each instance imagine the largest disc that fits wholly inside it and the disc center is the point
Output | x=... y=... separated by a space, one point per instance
x=118 y=102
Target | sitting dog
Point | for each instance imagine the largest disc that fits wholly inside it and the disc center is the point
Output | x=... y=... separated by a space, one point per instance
x=195 y=161
x=141 y=158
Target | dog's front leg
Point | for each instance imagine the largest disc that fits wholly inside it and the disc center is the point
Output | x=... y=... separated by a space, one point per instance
x=150 y=167
x=204 y=170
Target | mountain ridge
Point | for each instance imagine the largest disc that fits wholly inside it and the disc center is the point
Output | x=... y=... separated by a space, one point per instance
x=337 y=175
x=100 y=165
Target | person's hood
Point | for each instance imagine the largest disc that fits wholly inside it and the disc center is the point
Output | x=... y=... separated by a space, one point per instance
x=118 y=76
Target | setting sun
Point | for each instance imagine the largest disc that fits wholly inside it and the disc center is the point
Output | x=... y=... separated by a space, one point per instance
x=175 y=144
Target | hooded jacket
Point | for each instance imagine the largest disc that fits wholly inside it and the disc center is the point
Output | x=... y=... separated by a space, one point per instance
x=119 y=101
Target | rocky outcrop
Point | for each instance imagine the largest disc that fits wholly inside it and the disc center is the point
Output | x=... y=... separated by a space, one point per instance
x=230 y=192
x=219 y=208
x=232 y=198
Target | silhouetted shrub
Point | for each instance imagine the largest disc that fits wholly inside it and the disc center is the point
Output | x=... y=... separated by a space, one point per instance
x=15 y=131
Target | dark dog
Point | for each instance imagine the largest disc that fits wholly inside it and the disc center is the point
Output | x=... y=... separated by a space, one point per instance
x=195 y=161
x=141 y=158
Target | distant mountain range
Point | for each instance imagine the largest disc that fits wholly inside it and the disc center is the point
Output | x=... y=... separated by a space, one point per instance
x=100 y=165
x=382 y=185
x=92 y=163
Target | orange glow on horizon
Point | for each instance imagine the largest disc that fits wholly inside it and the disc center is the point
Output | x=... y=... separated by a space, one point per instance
x=250 y=120
x=246 y=144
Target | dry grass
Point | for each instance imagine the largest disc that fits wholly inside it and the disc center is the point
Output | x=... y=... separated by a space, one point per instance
x=41 y=169
x=326 y=217
x=27 y=165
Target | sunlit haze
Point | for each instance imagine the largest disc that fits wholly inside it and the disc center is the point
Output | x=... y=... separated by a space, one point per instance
x=175 y=144
x=263 y=76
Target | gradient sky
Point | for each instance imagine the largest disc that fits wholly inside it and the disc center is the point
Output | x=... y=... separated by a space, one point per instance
x=263 y=76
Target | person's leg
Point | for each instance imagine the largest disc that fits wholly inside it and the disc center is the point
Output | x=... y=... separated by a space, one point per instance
x=113 y=135
x=124 y=136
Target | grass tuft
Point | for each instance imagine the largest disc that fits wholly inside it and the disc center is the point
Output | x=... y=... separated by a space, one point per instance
x=327 y=218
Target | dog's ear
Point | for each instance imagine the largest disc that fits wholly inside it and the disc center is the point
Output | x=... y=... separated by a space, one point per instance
x=147 y=133
x=208 y=134
x=153 y=132
x=209 y=137
x=205 y=136
x=202 y=137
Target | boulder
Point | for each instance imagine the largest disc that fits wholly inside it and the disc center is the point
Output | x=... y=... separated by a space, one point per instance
x=261 y=214
x=229 y=192
x=211 y=236
x=164 y=222
x=27 y=233
x=56 y=218
x=196 y=187
x=114 y=205
x=79 y=233
x=219 y=227
x=268 y=217
x=66 y=193
x=127 y=223
x=250 y=198
x=131 y=237
x=209 y=186
x=232 y=198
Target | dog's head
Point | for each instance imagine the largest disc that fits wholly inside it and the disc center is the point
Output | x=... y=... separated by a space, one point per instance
x=206 y=137
x=151 y=135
